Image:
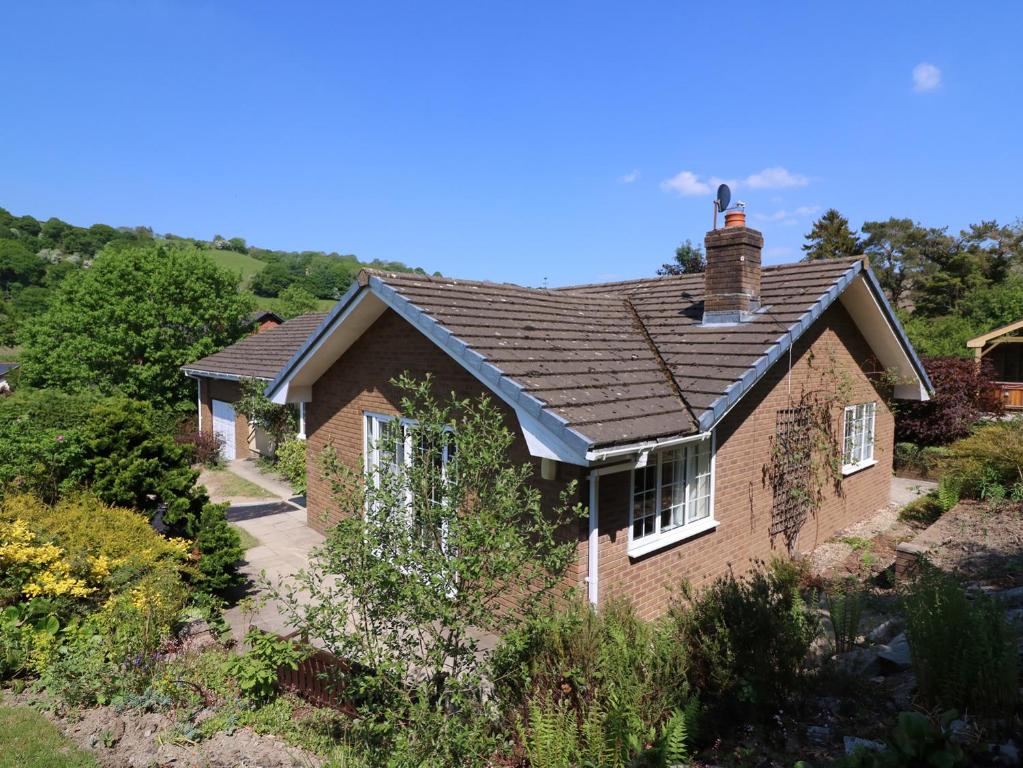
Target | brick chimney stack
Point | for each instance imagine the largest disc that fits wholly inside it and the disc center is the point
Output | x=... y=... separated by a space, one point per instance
x=732 y=279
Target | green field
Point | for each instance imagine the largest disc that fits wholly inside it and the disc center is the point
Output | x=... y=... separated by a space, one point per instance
x=239 y=263
x=28 y=740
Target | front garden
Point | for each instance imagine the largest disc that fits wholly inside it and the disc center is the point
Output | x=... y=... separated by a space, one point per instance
x=112 y=630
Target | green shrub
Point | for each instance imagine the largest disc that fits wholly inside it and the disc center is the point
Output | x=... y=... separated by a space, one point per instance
x=924 y=509
x=123 y=452
x=256 y=670
x=931 y=458
x=964 y=650
x=991 y=456
x=291 y=463
x=747 y=640
x=220 y=549
x=906 y=456
x=914 y=741
x=596 y=687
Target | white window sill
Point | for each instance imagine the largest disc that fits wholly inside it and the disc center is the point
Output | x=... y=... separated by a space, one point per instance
x=650 y=544
x=849 y=469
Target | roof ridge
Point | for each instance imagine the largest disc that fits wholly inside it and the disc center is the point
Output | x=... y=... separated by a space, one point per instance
x=661 y=363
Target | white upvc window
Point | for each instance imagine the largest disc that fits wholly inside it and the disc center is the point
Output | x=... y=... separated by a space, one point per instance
x=858 y=437
x=672 y=497
x=389 y=450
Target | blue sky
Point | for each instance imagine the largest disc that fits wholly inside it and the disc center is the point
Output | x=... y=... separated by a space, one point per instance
x=518 y=141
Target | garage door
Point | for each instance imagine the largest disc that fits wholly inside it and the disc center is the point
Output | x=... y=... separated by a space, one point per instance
x=223 y=426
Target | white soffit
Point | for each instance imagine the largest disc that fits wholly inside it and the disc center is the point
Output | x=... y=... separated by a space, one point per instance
x=861 y=304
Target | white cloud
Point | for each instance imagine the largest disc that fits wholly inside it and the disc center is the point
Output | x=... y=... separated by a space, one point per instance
x=786 y=216
x=688 y=184
x=775 y=178
x=926 y=77
x=629 y=177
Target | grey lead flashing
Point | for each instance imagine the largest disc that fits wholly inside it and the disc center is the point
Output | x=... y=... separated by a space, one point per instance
x=489 y=373
x=710 y=417
x=198 y=372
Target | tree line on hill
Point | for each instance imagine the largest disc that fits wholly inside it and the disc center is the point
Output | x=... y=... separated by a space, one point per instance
x=36 y=256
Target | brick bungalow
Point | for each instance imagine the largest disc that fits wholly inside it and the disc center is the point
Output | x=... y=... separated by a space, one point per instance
x=258 y=356
x=662 y=397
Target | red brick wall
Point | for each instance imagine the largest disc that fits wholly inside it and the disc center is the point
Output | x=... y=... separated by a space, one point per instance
x=742 y=503
x=229 y=392
x=359 y=381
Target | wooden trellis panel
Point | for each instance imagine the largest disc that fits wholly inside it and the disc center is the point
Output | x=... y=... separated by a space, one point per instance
x=793 y=451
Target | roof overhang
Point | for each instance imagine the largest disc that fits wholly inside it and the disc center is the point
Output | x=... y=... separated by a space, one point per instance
x=864 y=300
x=547 y=435
x=981 y=341
x=199 y=373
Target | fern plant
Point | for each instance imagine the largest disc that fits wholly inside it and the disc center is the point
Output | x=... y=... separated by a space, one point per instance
x=845 y=607
x=552 y=738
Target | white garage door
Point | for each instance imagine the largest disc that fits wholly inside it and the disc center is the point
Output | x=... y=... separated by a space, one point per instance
x=223 y=425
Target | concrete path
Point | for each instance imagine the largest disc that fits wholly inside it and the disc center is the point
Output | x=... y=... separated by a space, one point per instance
x=905 y=490
x=285 y=543
x=247 y=469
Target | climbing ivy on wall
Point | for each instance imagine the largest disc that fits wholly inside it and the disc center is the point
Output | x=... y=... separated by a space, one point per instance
x=806 y=453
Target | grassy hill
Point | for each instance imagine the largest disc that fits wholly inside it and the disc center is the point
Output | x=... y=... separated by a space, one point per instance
x=239 y=263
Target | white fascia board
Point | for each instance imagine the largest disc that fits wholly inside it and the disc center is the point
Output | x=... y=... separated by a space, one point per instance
x=644 y=447
x=196 y=373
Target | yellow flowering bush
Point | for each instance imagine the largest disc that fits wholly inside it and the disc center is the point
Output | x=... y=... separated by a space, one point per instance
x=38 y=569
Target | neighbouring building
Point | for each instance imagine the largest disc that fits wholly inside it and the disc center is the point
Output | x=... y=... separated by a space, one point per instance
x=258 y=356
x=665 y=398
x=7 y=371
x=1003 y=349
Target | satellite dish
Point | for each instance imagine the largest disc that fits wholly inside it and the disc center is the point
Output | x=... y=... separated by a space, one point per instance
x=724 y=197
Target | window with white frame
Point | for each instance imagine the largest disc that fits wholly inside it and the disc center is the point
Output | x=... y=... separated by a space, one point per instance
x=671 y=496
x=389 y=450
x=858 y=432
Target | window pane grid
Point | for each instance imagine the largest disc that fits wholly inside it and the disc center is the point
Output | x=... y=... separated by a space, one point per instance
x=672 y=490
x=858 y=434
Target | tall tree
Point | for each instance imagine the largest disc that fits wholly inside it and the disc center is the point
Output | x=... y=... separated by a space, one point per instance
x=18 y=266
x=831 y=238
x=689 y=260
x=898 y=250
x=132 y=320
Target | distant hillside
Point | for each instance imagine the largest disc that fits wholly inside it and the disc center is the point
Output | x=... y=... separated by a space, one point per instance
x=36 y=255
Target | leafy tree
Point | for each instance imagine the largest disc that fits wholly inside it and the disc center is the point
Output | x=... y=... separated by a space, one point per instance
x=449 y=551
x=273 y=279
x=689 y=260
x=328 y=277
x=132 y=320
x=898 y=250
x=294 y=301
x=278 y=421
x=18 y=266
x=831 y=238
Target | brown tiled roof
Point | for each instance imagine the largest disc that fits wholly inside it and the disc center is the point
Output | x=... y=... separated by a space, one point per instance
x=261 y=355
x=619 y=362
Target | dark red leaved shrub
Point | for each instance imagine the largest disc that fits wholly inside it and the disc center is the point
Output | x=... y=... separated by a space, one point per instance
x=962 y=393
x=205 y=446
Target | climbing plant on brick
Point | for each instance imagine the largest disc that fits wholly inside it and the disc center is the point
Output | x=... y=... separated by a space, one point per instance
x=806 y=455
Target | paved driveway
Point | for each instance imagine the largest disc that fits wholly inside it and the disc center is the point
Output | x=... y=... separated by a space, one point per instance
x=285 y=542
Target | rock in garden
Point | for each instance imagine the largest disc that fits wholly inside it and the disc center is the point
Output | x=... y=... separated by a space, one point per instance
x=818 y=735
x=896 y=656
x=852 y=742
